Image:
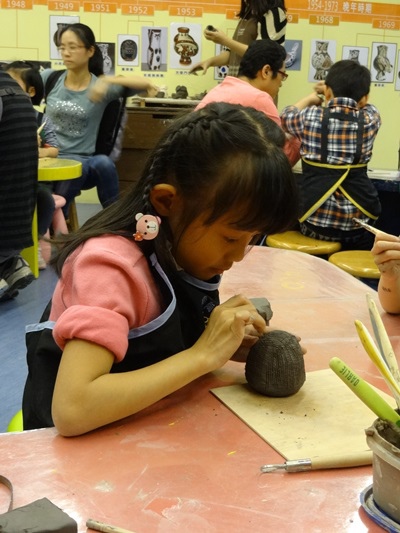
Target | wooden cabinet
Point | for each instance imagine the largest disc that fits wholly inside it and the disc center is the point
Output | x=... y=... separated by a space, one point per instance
x=144 y=127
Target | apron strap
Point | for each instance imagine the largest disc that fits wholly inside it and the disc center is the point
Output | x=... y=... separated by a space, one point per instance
x=345 y=117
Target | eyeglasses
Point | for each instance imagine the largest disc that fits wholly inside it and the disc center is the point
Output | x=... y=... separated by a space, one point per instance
x=283 y=74
x=71 y=49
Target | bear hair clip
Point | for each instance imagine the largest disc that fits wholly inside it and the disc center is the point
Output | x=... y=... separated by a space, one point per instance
x=147 y=227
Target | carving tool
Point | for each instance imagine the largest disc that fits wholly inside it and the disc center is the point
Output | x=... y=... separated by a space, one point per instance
x=105 y=528
x=321 y=463
x=377 y=359
x=366 y=226
x=364 y=391
x=383 y=340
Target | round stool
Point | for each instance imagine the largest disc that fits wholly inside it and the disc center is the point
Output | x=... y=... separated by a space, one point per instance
x=358 y=263
x=294 y=240
x=16 y=423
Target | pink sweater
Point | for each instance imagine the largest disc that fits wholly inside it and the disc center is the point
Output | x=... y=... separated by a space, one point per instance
x=106 y=289
x=236 y=91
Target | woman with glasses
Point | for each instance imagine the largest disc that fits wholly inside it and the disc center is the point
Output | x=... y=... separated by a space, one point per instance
x=76 y=103
x=261 y=74
x=259 y=19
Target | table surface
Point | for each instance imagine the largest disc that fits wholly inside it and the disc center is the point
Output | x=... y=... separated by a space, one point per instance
x=188 y=463
x=58 y=169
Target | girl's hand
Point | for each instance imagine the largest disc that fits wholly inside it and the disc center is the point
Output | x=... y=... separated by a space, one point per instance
x=226 y=330
x=200 y=67
x=98 y=91
x=386 y=253
x=216 y=36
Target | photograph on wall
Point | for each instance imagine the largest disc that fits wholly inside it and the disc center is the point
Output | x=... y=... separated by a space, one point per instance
x=128 y=47
x=358 y=54
x=322 y=57
x=57 y=24
x=383 y=56
x=154 y=49
x=293 y=54
x=108 y=52
x=185 y=45
x=397 y=84
x=219 y=72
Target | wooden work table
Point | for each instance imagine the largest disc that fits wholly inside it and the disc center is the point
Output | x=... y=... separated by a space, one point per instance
x=188 y=463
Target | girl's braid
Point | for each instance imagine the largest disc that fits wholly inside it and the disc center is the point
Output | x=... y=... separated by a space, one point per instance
x=170 y=149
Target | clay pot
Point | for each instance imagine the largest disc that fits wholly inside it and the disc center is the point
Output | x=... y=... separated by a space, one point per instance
x=384 y=440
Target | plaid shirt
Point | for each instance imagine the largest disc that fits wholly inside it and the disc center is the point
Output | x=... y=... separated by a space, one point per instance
x=337 y=212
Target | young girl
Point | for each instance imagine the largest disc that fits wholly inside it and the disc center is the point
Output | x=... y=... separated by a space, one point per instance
x=139 y=281
x=76 y=105
x=259 y=19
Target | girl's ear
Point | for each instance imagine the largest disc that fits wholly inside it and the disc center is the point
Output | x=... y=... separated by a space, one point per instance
x=164 y=198
x=31 y=91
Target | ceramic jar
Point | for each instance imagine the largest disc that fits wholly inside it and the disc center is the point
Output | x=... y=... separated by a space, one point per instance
x=185 y=46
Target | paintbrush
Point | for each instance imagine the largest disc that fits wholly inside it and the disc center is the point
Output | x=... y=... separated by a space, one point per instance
x=364 y=391
x=366 y=226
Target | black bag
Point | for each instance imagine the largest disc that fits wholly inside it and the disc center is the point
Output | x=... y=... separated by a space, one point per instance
x=40 y=516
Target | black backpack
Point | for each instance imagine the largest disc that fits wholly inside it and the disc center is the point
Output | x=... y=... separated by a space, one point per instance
x=112 y=122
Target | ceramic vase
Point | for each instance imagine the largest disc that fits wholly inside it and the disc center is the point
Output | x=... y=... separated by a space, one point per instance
x=185 y=46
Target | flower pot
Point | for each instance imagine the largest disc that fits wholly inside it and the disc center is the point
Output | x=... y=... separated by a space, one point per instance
x=385 y=467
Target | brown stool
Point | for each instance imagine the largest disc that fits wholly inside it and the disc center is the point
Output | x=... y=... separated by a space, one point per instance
x=358 y=263
x=294 y=240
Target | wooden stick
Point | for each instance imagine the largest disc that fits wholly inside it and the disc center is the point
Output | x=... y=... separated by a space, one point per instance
x=383 y=339
x=375 y=356
x=105 y=528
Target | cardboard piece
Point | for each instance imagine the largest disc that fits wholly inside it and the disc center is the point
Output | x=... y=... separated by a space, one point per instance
x=324 y=418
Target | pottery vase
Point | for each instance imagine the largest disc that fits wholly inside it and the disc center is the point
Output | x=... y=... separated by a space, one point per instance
x=185 y=46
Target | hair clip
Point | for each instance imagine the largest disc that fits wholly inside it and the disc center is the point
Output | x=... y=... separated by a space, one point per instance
x=147 y=227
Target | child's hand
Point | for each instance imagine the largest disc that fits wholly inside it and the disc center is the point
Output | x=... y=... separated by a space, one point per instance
x=386 y=252
x=226 y=330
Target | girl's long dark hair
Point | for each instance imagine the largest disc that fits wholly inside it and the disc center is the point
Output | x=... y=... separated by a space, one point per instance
x=222 y=159
x=258 y=8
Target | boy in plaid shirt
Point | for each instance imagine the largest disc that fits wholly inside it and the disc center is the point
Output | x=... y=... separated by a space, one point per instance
x=336 y=145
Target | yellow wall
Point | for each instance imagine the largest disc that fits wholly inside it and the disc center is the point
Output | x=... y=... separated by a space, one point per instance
x=25 y=35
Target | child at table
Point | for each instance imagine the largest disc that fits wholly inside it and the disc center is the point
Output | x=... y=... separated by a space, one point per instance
x=136 y=312
x=49 y=206
x=336 y=145
x=386 y=252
